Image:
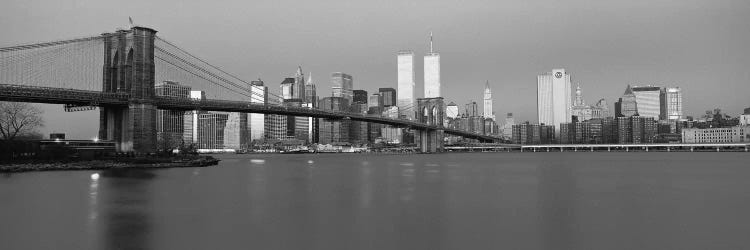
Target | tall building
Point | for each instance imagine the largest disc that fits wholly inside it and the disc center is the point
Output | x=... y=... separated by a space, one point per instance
x=376 y=100
x=256 y=121
x=334 y=131
x=211 y=130
x=190 y=128
x=554 y=98
x=648 y=100
x=488 y=102
x=311 y=95
x=389 y=96
x=471 y=109
x=360 y=96
x=293 y=87
x=671 y=104
x=451 y=111
x=235 y=131
x=508 y=126
x=170 y=123
x=406 y=96
x=342 y=85
x=626 y=106
x=432 y=73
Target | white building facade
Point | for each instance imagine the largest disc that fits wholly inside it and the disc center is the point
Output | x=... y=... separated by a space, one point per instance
x=716 y=135
x=671 y=104
x=648 y=99
x=432 y=73
x=488 y=113
x=405 y=94
x=554 y=98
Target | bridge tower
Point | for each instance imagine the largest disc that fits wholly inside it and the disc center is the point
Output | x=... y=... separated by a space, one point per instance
x=129 y=68
x=431 y=111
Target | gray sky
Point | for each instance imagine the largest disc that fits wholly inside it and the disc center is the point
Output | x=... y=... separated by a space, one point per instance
x=698 y=45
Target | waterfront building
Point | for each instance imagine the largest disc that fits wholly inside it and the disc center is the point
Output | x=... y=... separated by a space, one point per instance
x=671 y=104
x=170 y=123
x=508 y=126
x=334 y=131
x=235 y=131
x=716 y=135
x=554 y=98
x=390 y=134
x=432 y=73
x=626 y=106
x=405 y=96
x=211 y=130
x=527 y=133
x=488 y=113
x=451 y=111
x=388 y=95
x=343 y=86
x=190 y=119
x=358 y=132
x=648 y=99
x=256 y=121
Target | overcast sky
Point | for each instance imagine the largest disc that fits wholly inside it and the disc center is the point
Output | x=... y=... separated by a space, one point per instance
x=698 y=45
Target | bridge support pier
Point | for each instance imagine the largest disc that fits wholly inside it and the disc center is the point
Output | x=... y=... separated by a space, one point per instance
x=132 y=128
x=431 y=111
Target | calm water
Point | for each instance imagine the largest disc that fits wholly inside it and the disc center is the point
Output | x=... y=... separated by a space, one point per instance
x=447 y=201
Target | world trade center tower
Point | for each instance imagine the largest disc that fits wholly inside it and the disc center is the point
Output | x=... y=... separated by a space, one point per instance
x=405 y=94
x=431 y=73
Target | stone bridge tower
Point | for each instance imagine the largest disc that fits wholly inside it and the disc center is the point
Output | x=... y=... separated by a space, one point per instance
x=431 y=111
x=129 y=68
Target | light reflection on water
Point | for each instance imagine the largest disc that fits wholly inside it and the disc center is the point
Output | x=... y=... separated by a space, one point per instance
x=446 y=201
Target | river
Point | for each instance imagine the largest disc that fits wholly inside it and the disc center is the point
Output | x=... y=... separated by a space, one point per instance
x=570 y=200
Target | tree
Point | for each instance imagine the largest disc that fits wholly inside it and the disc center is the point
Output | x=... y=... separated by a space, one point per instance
x=19 y=120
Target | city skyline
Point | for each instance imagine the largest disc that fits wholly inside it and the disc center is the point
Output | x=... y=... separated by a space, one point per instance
x=626 y=43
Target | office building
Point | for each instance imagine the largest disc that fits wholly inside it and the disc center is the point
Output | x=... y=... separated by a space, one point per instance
x=671 y=104
x=451 y=111
x=388 y=95
x=334 y=131
x=360 y=96
x=190 y=119
x=170 y=123
x=342 y=85
x=235 y=131
x=211 y=130
x=488 y=113
x=256 y=121
x=627 y=105
x=734 y=134
x=432 y=73
x=648 y=101
x=471 y=109
x=311 y=94
x=508 y=126
x=405 y=95
x=554 y=98
x=527 y=133
x=376 y=100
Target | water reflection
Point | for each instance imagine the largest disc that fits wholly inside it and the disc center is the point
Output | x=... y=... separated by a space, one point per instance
x=124 y=208
x=556 y=203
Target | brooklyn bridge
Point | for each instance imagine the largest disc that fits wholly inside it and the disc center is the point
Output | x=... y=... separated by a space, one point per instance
x=117 y=72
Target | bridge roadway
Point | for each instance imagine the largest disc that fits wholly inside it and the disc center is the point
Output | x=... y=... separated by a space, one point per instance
x=22 y=93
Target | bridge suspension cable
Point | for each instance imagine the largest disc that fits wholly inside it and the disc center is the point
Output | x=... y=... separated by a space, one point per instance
x=187 y=67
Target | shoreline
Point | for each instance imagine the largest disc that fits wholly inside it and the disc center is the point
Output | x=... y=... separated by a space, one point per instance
x=203 y=161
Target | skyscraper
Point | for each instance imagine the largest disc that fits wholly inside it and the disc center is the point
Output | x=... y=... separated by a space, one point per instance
x=334 y=131
x=451 y=111
x=431 y=73
x=360 y=96
x=311 y=95
x=627 y=105
x=406 y=97
x=647 y=98
x=376 y=100
x=488 y=102
x=389 y=96
x=554 y=98
x=170 y=123
x=671 y=104
x=256 y=121
x=342 y=85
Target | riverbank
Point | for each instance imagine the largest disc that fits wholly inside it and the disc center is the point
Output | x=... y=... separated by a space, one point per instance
x=124 y=163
